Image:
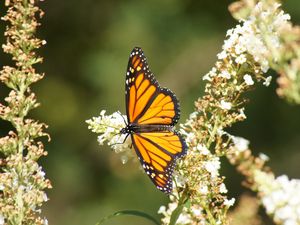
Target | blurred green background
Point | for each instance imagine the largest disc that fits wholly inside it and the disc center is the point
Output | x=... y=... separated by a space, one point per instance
x=89 y=42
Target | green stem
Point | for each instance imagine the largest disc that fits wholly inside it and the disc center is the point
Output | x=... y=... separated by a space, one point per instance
x=210 y=217
x=213 y=133
x=183 y=200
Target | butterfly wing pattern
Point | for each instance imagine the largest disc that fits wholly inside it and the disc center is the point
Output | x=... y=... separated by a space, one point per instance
x=154 y=111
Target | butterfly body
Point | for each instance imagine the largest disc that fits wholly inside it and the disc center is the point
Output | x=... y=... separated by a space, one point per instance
x=135 y=128
x=152 y=113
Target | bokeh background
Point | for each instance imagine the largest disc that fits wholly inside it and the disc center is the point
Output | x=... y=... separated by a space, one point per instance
x=89 y=42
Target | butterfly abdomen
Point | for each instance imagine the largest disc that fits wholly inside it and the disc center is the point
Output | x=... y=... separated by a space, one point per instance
x=137 y=128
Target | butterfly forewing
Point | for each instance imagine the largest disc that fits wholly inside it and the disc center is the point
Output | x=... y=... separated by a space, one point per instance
x=146 y=101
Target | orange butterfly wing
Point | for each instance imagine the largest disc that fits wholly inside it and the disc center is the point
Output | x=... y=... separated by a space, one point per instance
x=146 y=101
x=157 y=153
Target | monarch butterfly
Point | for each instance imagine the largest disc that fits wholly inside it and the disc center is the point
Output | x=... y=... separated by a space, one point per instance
x=152 y=112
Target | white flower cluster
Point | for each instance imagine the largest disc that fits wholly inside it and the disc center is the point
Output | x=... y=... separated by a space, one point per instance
x=249 y=37
x=109 y=127
x=280 y=197
x=186 y=216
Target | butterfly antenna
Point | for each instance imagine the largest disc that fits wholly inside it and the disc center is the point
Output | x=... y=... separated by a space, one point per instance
x=123 y=118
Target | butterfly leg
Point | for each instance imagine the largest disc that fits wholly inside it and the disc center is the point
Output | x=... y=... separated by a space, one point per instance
x=123 y=141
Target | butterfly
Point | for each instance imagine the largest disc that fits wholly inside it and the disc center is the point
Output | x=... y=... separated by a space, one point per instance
x=152 y=112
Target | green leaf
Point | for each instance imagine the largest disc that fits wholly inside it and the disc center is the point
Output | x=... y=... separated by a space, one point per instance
x=131 y=213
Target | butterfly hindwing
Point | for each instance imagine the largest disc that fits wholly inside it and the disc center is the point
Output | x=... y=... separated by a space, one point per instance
x=157 y=153
x=146 y=101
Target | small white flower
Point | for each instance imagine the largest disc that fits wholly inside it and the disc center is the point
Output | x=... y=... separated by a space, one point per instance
x=1 y=187
x=213 y=166
x=229 y=32
x=264 y=157
x=281 y=20
x=241 y=59
x=242 y=113
x=248 y=79
x=230 y=42
x=239 y=47
x=180 y=180
x=189 y=138
x=193 y=115
x=41 y=173
x=223 y=188
x=221 y=132
x=207 y=77
x=184 y=218
x=45 y=197
x=203 y=189
x=46 y=222
x=225 y=105
x=225 y=74
x=196 y=211
x=267 y=81
x=240 y=143
x=202 y=148
x=230 y=202
x=162 y=210
x=264 y=65
x=222 y=55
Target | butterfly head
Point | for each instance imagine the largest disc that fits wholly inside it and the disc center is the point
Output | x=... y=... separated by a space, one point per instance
x=126 y=130
x=123 y=131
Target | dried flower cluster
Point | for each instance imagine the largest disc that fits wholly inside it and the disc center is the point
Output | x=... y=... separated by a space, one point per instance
x=22 y=180
x=257 y=43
